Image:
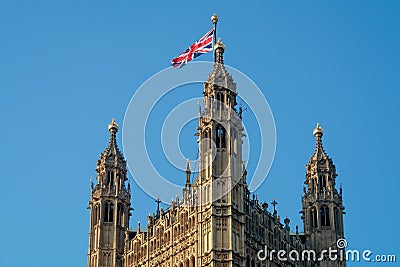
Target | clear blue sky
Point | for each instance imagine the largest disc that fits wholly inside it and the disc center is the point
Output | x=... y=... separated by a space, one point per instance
x=68 y=67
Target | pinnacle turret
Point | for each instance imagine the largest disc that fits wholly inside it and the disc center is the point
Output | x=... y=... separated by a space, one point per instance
x=188 y=173
x=320 y=160
x=112 y=151
x=111 y=161
x=319 y=152
x=109 y=205
x=322 y=204
x=219 y=75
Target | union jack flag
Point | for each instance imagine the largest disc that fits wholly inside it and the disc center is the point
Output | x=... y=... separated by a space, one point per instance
x=204 y=45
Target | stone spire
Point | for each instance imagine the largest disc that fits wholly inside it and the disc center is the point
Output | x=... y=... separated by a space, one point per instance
x=320 y=161
x=112 y=151
x=188 y=173
x=219 y=76
x=319 y=152
x=111 y=157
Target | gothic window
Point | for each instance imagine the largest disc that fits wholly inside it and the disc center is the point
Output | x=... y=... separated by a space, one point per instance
x=221 y=138
x=312 y=189
x=321 y=182
x=207 y=136
x=110 y=178
x=313 y=218
x=193 y=262
x=324 y=211
x=220 y=98
x=118 y=179
x=109 y=212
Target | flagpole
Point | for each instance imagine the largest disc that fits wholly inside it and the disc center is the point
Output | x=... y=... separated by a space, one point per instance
x=214 y=19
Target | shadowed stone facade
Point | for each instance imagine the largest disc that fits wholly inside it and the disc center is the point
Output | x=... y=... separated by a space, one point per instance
x=217 y=222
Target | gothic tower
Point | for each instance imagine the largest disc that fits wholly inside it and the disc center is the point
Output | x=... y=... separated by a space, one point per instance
x=220 y=134
x=322 y=204
x=109 y=207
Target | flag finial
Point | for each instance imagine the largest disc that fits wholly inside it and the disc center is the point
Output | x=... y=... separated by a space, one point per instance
x=214 y=18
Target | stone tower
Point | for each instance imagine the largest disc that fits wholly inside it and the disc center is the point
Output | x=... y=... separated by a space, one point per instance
x=220 y=134
x=322 y=204
x=109 y=207
x=216 y=223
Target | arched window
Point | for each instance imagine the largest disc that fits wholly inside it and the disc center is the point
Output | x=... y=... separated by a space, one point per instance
x=324 y=211
x=220 y=98
x=322 y=182
x=109 y=212
x=221 y=138
x=207 y=136
x=110 y=178
x=313 y=218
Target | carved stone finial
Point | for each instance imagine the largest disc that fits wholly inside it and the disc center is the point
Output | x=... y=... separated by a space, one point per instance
x=219 y=44
x=188 y=166
x=188 y=173
x=318 y=131
x=286 y=221
x=265 y=206
x=113 y=125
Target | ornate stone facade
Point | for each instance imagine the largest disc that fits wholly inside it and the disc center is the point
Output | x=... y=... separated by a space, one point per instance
x=217 y=223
